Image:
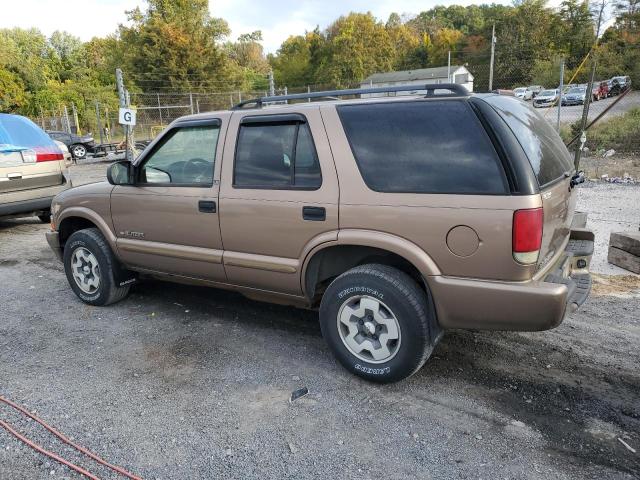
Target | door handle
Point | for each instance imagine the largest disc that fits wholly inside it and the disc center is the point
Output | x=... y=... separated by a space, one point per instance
x=314 y=214
x=14 y=176
x=207 y=206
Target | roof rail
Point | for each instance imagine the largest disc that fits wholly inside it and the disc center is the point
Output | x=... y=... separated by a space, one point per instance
x=456 y=90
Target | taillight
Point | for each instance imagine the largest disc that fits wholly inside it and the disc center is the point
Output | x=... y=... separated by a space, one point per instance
x=527 y=235
x=48 y=154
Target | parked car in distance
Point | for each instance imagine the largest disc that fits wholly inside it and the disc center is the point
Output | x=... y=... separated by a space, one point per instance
x=535 y=90
x=78 y=145
x=575 y=96
x=523 y=93
x=32 y=169
x=299 y=204
x=600 y=90
x=546 y=98
x=619 y=84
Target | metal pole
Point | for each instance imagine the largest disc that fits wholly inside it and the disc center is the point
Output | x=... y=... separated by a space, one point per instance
x=197 y=105
x=493 y=53
x=191 y=102
x=159 y=109
x=588 y=93
x=286 y=92
x=308 y=91
x=272 y=86
x=98 y=122
x=239 y=96
x=449 y=66
x=560 y=96
x=66 y=119
x=75 y=118
x=124 y=102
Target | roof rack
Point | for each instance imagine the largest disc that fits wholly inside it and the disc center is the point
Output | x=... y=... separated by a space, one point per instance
x=455 y=89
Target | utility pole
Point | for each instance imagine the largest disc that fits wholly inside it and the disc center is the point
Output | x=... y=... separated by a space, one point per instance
x=75 y=118
x=98 y=122
x=123 y=96
x=560 y=97
x=493 y=54
x=66 y=119
x=589 y=92
x=272 y=86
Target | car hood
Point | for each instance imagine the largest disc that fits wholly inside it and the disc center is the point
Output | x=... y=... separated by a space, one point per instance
x=85 y=197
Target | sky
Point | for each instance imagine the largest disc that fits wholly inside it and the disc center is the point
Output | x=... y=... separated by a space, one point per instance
x=277 y=19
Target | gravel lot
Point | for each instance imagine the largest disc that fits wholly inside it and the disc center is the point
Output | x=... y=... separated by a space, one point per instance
x=180 y=382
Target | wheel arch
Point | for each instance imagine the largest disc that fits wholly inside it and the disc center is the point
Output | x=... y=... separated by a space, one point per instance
x=77 y=218
x=357 y=247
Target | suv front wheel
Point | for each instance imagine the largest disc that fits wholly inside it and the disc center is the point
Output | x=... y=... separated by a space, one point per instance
x=378 y=323
x=89 y=266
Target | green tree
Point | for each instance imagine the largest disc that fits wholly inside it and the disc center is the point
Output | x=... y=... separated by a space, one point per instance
x=174 y=44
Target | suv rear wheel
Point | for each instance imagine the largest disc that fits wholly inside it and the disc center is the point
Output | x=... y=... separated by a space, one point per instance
x=89 y=266
x=378 y=323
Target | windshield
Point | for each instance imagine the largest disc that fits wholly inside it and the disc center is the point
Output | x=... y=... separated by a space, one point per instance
x=548 y=93
x=577 y=90
x=520 y=90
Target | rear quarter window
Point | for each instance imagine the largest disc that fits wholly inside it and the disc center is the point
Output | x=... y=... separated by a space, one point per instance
x=544 y=148
x=22 y=132
x=432 y=146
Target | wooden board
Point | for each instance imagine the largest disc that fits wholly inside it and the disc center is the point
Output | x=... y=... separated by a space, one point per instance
x=627 y=241
x=624 y=260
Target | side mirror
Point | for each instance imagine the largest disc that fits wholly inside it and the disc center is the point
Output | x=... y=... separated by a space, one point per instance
x=120 y=173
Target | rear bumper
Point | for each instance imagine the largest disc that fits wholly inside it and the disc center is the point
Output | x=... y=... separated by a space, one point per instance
x=539 y=304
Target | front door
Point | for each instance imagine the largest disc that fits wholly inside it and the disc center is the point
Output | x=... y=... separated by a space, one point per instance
x=168 y=221
x=279 y=195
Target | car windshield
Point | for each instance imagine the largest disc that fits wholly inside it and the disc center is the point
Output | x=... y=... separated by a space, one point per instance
x=547 y=93
x=577 y=90
x=520 y=90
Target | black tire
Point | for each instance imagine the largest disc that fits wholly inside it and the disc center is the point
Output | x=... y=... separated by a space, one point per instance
x=45 y=217
x=108 y=291
x=78 y=151
x=419 y=331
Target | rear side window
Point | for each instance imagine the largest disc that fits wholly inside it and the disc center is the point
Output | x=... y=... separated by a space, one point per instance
x=276 y=156
x=435 y=146
x=22 y=132
x=545 y=150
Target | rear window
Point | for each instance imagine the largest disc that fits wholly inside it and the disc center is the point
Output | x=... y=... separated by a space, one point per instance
x=547 y=154
x=434 y=146
x=22 y=132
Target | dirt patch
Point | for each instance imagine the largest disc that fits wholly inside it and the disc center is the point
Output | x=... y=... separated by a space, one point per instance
x=623 y=286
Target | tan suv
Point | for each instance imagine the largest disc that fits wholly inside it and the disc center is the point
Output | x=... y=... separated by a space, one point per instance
x=32 y=169
x=397 y=216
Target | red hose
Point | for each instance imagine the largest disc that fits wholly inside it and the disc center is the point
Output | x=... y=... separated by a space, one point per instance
x=47 y=452
x=62 y=437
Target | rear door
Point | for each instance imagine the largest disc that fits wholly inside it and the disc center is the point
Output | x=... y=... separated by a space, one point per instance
x=552 y=166
x=28 y=157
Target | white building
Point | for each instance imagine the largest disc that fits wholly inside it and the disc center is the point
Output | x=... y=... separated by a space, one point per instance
x=422 y=76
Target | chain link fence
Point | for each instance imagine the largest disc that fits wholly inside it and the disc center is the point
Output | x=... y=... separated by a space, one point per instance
x=618 y=129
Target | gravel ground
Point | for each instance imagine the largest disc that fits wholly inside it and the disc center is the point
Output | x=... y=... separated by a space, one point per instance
x=181 y=382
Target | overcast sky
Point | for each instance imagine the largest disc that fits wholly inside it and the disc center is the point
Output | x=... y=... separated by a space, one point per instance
x=276 y=18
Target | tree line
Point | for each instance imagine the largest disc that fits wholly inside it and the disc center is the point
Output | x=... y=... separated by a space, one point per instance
x=178 y=46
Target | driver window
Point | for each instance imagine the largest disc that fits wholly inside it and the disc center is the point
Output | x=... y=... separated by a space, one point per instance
x=185 y=157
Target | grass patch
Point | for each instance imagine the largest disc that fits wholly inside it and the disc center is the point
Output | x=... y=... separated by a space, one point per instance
x=622 y=133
